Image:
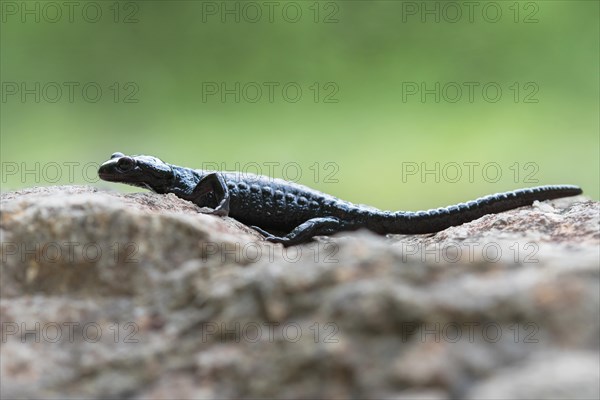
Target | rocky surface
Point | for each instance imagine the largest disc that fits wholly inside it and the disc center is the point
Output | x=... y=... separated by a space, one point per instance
x=107 y=295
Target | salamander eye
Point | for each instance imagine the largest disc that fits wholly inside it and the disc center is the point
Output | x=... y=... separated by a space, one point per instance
x=115 y=155
x=125 y=163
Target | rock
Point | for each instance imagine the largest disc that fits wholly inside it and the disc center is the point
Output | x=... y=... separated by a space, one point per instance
x=108 y=295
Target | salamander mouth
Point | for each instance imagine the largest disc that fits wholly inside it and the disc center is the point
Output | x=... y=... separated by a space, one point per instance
x=116 y=177
x=106 y=176
x=109 y=171
x=119 y=178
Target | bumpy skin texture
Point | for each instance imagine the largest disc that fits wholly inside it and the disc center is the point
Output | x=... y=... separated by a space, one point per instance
x=270 y=204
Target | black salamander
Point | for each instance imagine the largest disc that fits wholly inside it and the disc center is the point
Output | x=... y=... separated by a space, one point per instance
x=275 y=205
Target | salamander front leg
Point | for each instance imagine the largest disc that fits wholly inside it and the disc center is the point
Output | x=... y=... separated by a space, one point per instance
x=306 y=231
x=212 y=183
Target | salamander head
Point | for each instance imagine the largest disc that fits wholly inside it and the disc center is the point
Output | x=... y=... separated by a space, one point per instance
x=143 y=171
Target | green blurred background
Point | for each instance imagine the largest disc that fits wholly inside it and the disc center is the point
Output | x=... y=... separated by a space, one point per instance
x=361 y=54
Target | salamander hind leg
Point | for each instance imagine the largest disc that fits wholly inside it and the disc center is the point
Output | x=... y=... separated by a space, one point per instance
x=304 y=232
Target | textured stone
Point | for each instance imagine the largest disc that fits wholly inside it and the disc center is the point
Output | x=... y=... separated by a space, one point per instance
x=141 y=295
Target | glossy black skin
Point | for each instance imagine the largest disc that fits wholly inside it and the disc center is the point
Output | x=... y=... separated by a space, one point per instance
x=274 y=205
